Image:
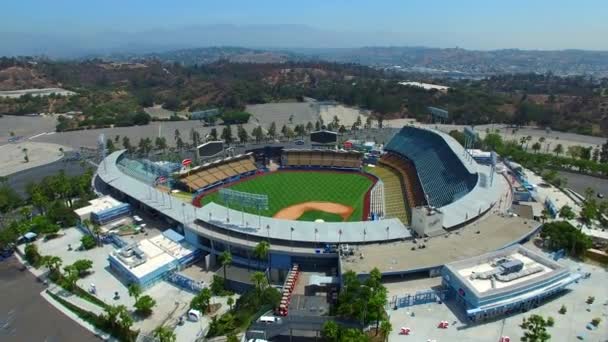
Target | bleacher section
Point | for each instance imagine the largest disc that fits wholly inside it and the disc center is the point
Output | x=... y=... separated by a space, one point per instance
x=407 y=173
x=443 y=176
x=321 y=158
x=209 y=175
x=395 y=205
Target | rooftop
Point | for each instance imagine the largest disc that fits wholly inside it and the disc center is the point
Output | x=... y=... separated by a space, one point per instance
x=98 y=204
x=484 y=276
x=531 y=268
x=151 y=254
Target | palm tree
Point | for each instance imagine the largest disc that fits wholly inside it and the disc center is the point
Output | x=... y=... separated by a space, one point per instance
x=261 y=251
x=53 y=263
x=164 y=334
x=259 y=280
x=225 y=260
x=559 y=149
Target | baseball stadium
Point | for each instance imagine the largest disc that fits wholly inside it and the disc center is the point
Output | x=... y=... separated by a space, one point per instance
x=409 y=206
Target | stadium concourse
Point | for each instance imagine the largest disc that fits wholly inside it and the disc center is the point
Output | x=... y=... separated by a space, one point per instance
x=456 y=202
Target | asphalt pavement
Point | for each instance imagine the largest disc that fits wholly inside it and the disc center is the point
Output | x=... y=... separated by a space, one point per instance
x=26 y=316
x=21 y=179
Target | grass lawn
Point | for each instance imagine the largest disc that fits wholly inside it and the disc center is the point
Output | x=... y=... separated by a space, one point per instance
x=288 y=188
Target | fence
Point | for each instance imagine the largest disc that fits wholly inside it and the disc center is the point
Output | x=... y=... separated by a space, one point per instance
x=422 y=297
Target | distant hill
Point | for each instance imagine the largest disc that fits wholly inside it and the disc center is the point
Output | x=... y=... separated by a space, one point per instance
x=207 y=55
x=473 y=62
x=441 y=62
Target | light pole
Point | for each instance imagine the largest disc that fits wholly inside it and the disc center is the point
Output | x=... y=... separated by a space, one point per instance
x=387 y=232
x=268 y=231
x=291 y=237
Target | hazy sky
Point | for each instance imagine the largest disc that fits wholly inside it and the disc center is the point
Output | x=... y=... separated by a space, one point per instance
x=478 y=24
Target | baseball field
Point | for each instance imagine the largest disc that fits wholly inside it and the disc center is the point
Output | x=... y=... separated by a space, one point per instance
x=307 y=195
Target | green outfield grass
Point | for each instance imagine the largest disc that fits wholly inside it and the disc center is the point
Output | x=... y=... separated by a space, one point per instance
x=288 y=188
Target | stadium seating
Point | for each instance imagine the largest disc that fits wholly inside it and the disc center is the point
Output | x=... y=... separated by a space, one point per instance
x=410 y=184
x=442 y=175
x=321 y=158
x=394 y=201
x=209 y=175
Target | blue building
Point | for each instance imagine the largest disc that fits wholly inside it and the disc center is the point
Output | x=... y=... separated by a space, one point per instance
x=510 y=280
x=150 y=261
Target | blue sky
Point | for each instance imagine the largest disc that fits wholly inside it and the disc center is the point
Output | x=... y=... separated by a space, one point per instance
x=544 y=24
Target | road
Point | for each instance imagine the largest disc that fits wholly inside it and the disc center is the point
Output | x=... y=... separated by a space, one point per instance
x=26 y=316
x=579 y=183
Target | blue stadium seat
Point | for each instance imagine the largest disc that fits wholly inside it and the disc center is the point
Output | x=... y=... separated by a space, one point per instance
x=443 y=177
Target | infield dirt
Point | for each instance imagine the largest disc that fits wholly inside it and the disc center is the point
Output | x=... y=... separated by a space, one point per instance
x=295 y=211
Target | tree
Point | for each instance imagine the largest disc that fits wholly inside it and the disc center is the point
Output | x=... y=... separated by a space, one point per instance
x=261 y=251
x=70 y=276
x=260 y=282
x=227 y=134
x=53 y=263
x=32 y=256
x=179 y=143
x=272 y=130
x=164 y=334
x=213 y=134
x=230 y=302
x=160 y=143
x=385 y=328
x=82 y=266
x=88 y=242
x=258 y=133
x=567 y=212
x=118 y=317
x=604 y=153
x=535 y=329
x=110 y=146
x=201 y=300
x=134 y=291
x=536 y=147
x=357 y=123
x=144 y=304
x=225 y=260
x=242 y=134
x=331 y=331
x=559 y=149
x=369 y=122
x=176 y=134
x=195 y=137
x=126 y=144
x=562 y=235
x=309 y=127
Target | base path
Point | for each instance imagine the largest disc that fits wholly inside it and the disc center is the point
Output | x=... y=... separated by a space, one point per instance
x=295 y=211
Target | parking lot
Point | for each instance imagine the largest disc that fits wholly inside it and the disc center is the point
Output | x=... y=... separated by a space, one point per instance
x=26 y=316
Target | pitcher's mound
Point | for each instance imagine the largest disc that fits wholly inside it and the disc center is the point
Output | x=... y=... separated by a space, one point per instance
x=295 y=211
